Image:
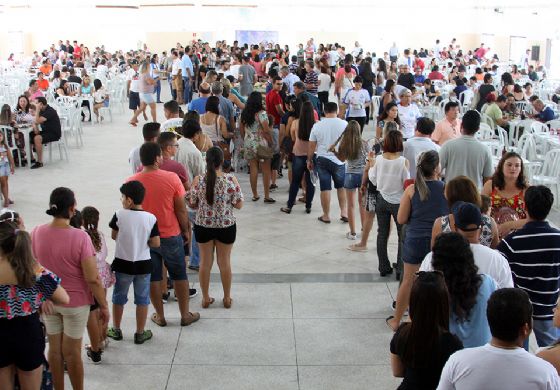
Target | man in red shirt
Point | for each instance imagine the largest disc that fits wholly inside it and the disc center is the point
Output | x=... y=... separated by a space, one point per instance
x=165 y=199
x=274 y=103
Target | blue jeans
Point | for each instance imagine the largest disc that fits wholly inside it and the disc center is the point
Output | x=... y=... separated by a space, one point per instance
x=195 y=252
x=299 y=169
x=545 y=333
x=141 y=284
x=172 y=252
x=158 y=90
x=186 y=90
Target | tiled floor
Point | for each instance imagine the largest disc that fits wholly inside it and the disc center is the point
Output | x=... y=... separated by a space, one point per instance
x=307 y=314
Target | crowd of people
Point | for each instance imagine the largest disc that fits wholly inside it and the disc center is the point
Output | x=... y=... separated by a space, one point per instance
x=478 y=264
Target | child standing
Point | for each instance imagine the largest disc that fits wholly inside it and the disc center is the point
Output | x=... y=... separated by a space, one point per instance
x=6 y=167
x=96 y=329
x=135 y=231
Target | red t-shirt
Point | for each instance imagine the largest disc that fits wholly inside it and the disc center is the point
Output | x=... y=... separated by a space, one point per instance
x=273 y=98
x=162 y=187
x=171 y=166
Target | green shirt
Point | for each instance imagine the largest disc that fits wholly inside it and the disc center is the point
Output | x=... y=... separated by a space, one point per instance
x=494 y=112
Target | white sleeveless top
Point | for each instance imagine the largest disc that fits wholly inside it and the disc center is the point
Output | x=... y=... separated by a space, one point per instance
x=389 y=176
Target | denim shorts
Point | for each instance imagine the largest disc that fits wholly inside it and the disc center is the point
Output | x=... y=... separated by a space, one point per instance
x=327 y=171
x=172 y=252
x=353 y=180
x=415 y=249
x=141 y=285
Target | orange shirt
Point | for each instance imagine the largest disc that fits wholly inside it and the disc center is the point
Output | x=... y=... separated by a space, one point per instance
x=43 y=84
x=46 y=69
x=162 y=187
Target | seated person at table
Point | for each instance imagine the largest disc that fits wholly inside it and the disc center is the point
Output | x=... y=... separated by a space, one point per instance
x=42 y=82
x=34 y=91
x=47 y=117
x=494 y=110
x=543 y=113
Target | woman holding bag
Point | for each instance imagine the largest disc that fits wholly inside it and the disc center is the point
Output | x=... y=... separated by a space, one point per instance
x=256 y=132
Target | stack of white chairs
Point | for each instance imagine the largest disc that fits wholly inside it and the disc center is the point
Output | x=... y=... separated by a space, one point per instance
x=69 y=113
x=549 y=174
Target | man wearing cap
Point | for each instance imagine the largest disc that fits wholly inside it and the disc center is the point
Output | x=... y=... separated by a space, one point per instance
x=468 y=222
x=533 y=253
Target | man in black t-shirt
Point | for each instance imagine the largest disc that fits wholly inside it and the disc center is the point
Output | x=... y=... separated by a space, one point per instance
x=406 y=79
x=47 y=117
x=73 y=78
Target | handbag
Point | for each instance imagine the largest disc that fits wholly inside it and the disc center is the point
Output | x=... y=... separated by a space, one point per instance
x=222 y=144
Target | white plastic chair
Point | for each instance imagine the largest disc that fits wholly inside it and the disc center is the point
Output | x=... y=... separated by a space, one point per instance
x=549 y=174
x=106 y=110
x=466 y=98
x=10 y=139
x=538 y=127
x=61 y=149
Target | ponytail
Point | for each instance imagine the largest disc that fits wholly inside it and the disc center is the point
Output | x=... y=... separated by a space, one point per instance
x=16 y=247
x=214 y=160
x=61 y=200
x=427 y=164
x=90 y=218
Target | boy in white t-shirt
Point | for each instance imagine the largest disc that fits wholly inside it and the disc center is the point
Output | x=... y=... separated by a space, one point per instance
x=135 y=231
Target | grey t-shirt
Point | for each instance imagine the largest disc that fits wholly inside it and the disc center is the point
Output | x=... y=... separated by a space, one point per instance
x=246 y=83
x=357 y=165
x=414 y=147
x=466 y=156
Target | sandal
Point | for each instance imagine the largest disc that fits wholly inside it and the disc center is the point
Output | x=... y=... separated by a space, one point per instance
x=269 y=200
x=344 y=219
x=206 y=304
x=155 y=319
x=255 y=198
x=387 y=322
x=133 y=123
x=301 y=199
x=323 y=220
x=227 y=302
x=193 y=317
x=357 y=248
x=286 y=210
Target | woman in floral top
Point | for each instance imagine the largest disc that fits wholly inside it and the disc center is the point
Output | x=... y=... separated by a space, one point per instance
x=214 y=196
x=24 y=286
x=506 y=191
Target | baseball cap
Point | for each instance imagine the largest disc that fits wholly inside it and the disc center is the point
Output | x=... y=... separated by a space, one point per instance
x=466 y=215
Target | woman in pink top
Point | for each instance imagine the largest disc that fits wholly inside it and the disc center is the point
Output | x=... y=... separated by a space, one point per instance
x=69 y=253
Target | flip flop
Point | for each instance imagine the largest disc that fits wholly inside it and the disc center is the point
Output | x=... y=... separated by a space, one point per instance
x=255 y=198
x=344 y=219
x=156 y=320
x=323 y=220
x=387 y=323
x=355 y=248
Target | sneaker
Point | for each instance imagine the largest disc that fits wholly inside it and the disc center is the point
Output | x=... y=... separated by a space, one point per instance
x=351 y=236
x=114 y=333
x=165 y=297
x=139 y=338
x=94 y=356
x=193 y=292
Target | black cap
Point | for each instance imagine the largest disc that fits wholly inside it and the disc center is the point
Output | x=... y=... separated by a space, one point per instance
x=466 y=215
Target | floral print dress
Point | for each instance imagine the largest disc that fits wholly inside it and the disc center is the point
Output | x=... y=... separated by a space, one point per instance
x=253 y=137
x=227 y=192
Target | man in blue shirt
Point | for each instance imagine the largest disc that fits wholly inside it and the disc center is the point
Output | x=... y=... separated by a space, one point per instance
x=199 y=104
x=543 y=113
x=533 y=253
x=419 y=77
x=187 y=72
